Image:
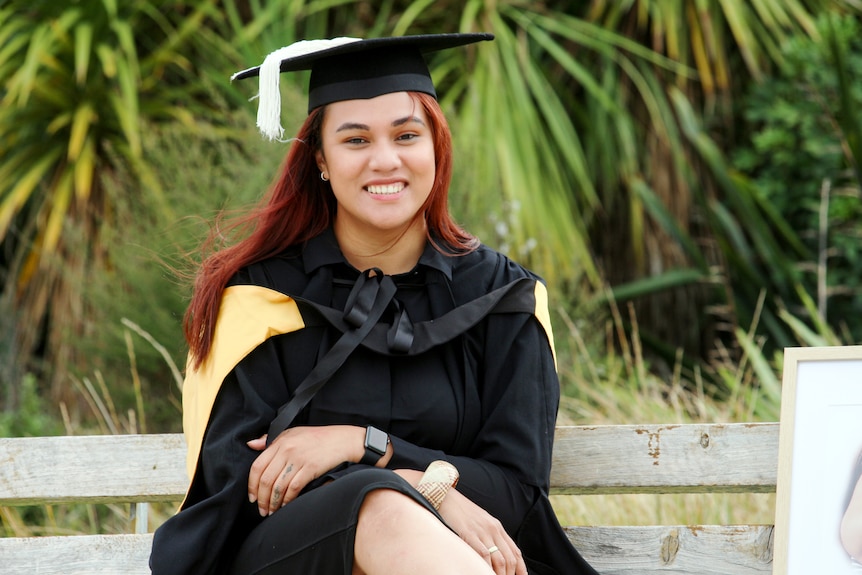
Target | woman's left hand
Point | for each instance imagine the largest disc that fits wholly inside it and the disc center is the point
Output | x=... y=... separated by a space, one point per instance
x=484 y=533
x=294 y=459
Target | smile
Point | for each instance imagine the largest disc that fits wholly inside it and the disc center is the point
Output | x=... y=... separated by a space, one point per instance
x=386 y=190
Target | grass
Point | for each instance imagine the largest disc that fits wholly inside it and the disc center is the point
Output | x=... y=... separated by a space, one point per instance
x=615 y=385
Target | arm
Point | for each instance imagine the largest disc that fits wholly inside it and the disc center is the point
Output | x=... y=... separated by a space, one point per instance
x=851 y=524
x=508 y=462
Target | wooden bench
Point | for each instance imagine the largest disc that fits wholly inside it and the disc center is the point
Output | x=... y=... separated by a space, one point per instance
x=690 y=458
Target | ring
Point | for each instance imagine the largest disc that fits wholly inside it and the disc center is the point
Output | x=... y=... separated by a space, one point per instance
x=492 y=549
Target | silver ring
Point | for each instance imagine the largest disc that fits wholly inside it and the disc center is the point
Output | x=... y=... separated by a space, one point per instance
x=492 y=549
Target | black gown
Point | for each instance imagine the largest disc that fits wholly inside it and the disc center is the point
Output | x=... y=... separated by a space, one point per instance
x=484 y=398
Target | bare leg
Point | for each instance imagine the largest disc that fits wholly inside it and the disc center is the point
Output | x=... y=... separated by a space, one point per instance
x=397 y=536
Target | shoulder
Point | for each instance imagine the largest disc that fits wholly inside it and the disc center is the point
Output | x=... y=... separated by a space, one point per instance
x=486 y=269
x=284 y=273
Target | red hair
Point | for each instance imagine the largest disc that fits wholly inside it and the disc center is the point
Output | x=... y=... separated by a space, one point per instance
x=298 y=207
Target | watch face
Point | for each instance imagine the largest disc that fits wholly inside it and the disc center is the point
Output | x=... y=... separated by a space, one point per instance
x=376 y=440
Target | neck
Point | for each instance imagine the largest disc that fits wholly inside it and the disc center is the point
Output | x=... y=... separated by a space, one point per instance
x=393 y=252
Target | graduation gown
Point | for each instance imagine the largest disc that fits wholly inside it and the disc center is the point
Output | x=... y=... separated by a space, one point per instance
x=481 y=392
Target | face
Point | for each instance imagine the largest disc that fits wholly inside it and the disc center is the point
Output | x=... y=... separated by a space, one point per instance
x=379 y=157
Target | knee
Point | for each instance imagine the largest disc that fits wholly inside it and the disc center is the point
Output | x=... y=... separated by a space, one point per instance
x=387 y=508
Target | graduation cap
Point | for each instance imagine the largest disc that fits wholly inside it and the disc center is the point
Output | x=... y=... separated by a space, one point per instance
x=349 y=69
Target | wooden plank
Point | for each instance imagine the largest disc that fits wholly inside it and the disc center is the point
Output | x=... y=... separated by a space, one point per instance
x=92 y=469
x=690 y=458
x=679 y=549
x=76 y=555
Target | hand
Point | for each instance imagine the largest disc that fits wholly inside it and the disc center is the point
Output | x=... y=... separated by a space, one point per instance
x=297 y=457
x=483 y=532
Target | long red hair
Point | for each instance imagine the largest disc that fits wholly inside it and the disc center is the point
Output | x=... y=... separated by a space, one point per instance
x=298 y=207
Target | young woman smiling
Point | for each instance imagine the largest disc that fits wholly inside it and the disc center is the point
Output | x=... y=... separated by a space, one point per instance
x=369 y=389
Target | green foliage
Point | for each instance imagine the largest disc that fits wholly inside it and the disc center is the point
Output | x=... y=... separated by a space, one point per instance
x=146 y=289
x=78 y=81
x=33 y=418
x=801 y=160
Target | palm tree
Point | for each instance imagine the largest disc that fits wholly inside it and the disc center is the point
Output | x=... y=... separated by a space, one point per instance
x=78 y=84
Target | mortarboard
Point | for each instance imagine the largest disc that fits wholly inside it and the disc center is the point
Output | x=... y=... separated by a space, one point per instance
x=348 y=69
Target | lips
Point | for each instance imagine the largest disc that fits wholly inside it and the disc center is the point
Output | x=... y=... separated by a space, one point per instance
x=385 y=190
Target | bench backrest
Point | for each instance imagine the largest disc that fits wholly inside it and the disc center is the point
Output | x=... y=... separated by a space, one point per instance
x=690 y=458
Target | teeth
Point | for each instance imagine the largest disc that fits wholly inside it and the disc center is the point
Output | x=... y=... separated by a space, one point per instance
x=385 y=190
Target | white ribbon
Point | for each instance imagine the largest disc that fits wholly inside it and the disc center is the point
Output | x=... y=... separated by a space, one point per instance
x=269 y=92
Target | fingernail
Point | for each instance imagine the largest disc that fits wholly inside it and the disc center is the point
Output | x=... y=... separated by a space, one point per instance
x=251 y=498
x=262 y=511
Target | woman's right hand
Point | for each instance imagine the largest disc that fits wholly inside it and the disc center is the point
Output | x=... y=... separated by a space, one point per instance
x=296 y=457
x=483 y=532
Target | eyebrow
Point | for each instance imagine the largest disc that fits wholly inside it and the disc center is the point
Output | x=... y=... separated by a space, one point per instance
x=396 y=123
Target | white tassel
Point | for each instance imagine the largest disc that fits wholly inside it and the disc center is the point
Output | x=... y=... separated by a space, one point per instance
x=269 y=93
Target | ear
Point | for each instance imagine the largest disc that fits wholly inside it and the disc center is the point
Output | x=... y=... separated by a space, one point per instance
x=320 y=160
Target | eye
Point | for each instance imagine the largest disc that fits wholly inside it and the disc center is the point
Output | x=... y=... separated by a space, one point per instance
x=407 y=137
x=356 y=140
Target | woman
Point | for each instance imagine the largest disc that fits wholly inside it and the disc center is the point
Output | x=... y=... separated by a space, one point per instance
x=353 y=339
x=850 y=528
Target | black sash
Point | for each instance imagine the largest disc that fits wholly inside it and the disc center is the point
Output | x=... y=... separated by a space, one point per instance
x=359 y=324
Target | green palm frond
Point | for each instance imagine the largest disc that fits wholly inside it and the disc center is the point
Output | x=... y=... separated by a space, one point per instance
x=79 y=81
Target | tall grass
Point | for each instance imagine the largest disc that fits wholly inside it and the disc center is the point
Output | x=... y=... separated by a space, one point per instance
x=612 y=382
x=106 y=418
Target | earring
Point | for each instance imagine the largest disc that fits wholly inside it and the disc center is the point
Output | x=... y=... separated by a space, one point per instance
x=323 y=177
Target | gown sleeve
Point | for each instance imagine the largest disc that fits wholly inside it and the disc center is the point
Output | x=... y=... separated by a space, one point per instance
x=506 y=468
x=217 y=514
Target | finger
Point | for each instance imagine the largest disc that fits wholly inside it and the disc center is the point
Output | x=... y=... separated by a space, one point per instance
x=497 y=557
x=300 y=479
x=258 y=444
x=493 y=557
x=479 y=546
x=268 y=473
x=520 y=564
x=258 y=467
x=279 y=488
x=511 y=557
x=521 y=569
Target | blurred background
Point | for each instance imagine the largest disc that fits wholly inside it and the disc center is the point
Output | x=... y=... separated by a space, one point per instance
x=685 y=174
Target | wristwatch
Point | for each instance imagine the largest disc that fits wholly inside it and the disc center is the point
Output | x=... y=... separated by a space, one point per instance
x=376 y=442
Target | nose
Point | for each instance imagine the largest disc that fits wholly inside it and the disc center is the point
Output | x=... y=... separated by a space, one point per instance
x=385 y=157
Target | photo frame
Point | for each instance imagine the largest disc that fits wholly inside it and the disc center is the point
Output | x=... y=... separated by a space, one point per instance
x=820 y=444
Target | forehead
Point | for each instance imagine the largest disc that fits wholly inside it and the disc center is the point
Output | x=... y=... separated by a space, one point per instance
x=380 y=111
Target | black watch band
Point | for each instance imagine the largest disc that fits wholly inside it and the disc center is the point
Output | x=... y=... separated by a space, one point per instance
x=376 y=442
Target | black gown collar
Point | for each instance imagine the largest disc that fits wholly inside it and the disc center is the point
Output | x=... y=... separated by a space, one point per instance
x=323 y=250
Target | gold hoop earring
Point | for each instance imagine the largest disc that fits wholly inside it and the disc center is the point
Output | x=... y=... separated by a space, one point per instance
x=323 y=177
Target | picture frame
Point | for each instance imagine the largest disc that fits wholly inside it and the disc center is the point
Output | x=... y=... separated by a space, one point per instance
x=820 y=442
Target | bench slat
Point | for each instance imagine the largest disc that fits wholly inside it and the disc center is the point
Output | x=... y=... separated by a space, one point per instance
x=683 y=550
x=689 y=550
x=690 y=458
x=92 y=469
x=76 y=555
